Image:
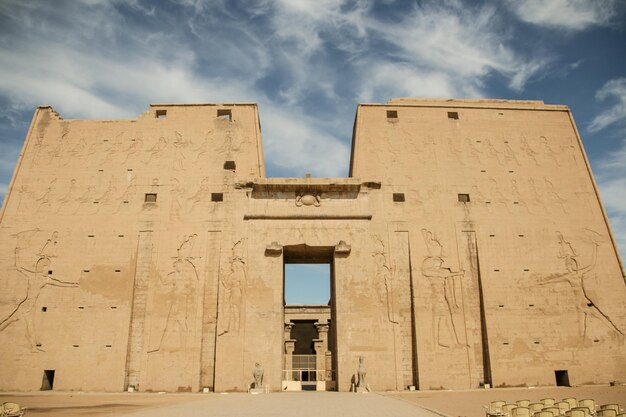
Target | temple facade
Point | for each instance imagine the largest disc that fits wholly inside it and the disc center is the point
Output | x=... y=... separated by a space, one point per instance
x=467 y=247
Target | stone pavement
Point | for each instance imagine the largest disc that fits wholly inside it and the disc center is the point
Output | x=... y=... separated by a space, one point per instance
x=290 y=404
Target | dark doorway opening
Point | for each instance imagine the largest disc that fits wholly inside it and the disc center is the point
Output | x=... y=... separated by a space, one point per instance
x=308 y=278
x=562 y=379
x=48 y=380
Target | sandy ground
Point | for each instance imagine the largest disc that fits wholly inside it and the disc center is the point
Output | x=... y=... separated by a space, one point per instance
x=470 y=403
x=448 y=403
x=74 y=404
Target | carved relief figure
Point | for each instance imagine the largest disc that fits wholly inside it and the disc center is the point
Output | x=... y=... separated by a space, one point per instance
x=493 y=151
x=554 y=196
x=547 y=152
x=156 y=151
x=509 y=153
x=134 y=147
x=86 y=198
x=176 y=205
x=178 y=290
x=529 y=151
x=113 y=148
x=179 y=157
x=45 y=199
x=126 y=196
x=24 y=195
x=473 y=151
x=385 y=273
x=496 y=195
x=229 y=144
x=69 y=196
x=232 y=286
x=105 y=197
x=455 y=151
x=202 y=195
x=575 y=276
x=446 y=305
x=204 y=148
x=536 y=198
x=38 y=273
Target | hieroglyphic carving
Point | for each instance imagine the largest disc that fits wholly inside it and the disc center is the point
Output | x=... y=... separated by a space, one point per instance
x=157 y=149
x=385 y=273
x=38 y=273
x=445 y=303
x=106 y=197
x=496 y=195
x=232 y=284
x=113 y=148
x=69 y=196
x=517 y=196
x=230 y=143
x=547 y=153
x=554 y=197
x=455 y=151
x=126 y=196
x=493 y=152
x=204 y=148
x=528 y=150
x=575 y=275
x=46 y=198
x=134 y=148
x=201 y=196
x=60 y=145
x=179 y=157
x=509 y=153
x=178 y=292
x=473 y=151
x=86 y=198
x=24 y=196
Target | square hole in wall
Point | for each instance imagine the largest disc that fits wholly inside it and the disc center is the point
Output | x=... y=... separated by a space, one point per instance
x=230 y=165
x=562 y=378
x=150 y=198
x=398 y=197
x=160 y=114
x=453 y=115
x=463 y=198
x=392 y=114
x=225 y=114
x=44 y=309
x=217 y=197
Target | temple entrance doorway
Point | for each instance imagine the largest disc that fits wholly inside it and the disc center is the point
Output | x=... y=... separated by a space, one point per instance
x=309 y=338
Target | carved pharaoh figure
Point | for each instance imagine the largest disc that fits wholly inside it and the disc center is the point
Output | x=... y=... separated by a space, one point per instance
x=385 y=273
x=38 y=275
x=575 y=276
x=445 y=305
x=178 y=290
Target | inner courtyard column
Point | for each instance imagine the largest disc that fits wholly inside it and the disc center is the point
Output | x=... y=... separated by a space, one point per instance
x=290 y=346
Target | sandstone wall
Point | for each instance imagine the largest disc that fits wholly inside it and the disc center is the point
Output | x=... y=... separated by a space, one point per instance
x=468 y=246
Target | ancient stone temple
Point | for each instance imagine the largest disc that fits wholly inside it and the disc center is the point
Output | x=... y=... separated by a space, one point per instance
x=468 y=246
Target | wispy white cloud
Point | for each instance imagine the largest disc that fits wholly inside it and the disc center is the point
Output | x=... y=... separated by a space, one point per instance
x=306 y=63
x=463 y=42
x=613 y=90
x=571 y=15
x=611 y=172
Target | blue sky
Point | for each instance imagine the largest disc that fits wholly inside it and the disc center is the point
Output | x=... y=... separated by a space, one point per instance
x=308 y=63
